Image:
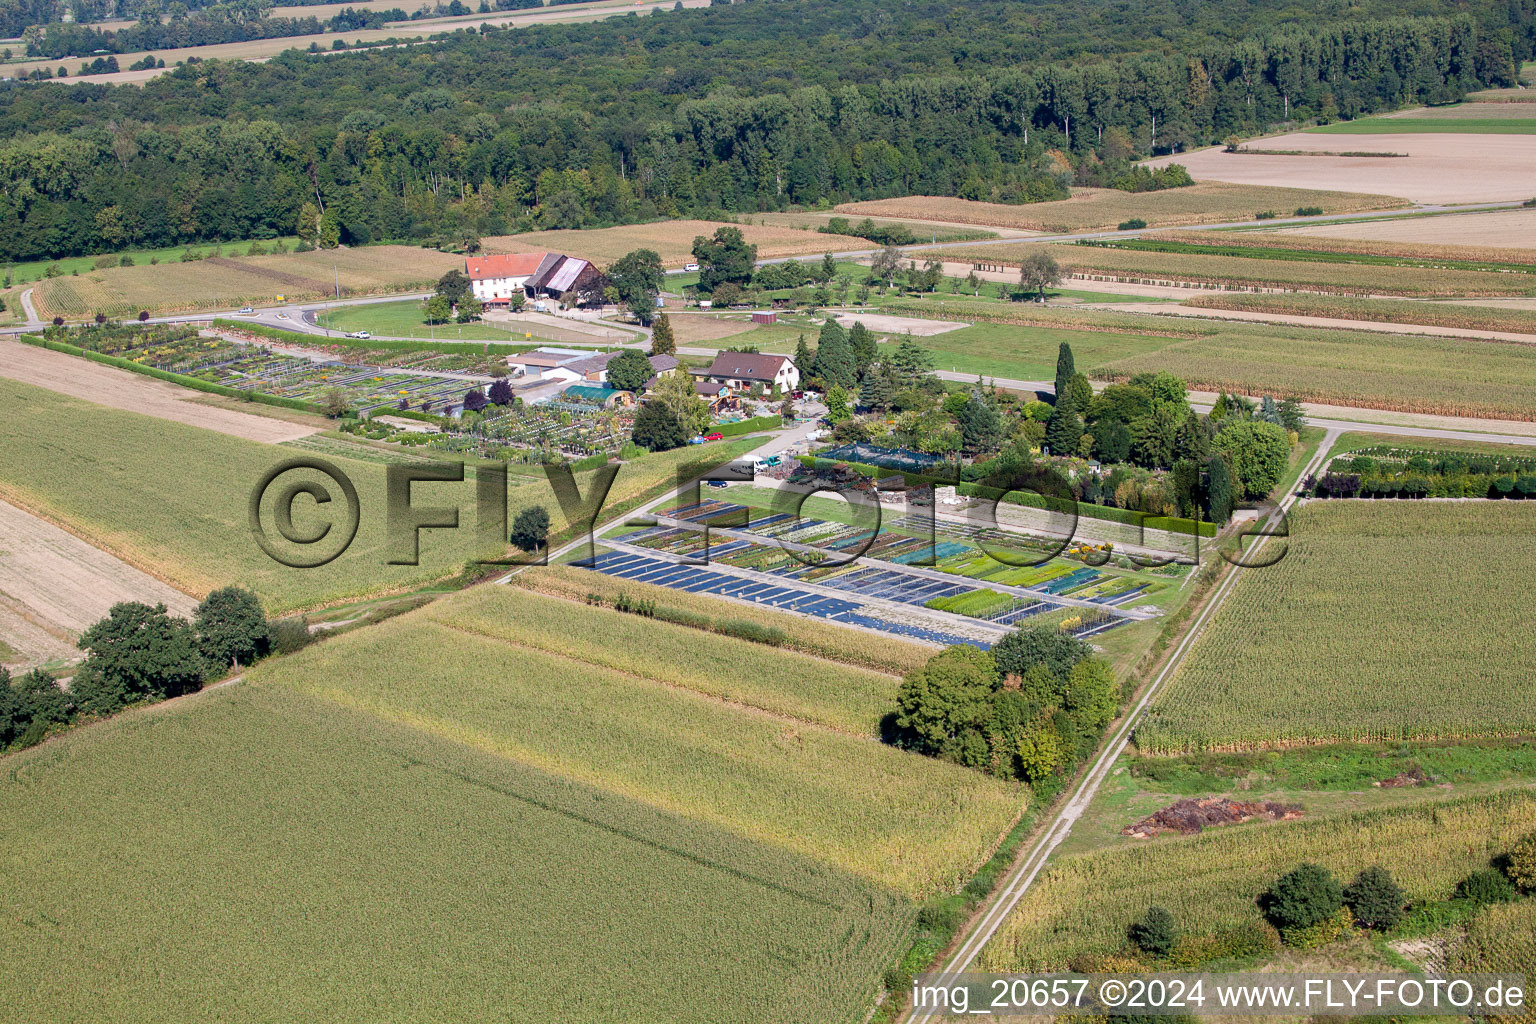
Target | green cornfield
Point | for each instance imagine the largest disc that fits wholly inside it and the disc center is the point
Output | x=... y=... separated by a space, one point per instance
x=171 y=499
x=1083 y=903
x=289 y=859
x=647 y=731
x=1385 y=620
x=1499 y=940
x=739 y=671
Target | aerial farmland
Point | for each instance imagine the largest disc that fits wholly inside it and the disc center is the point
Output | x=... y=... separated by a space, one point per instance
x=858 y=513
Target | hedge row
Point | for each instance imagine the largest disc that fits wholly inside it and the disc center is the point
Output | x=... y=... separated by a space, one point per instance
x=175 y=378
x=1125 y=516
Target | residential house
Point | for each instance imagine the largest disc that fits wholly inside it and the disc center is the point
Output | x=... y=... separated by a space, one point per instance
x=741 y=370
x=535 y=275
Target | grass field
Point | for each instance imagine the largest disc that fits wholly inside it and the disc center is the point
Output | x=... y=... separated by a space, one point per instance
x=1223 y=271
x=408 y=319
x=256 y=853
x=1083 y=903
x=171 y=499
x=1384 y=621
x=1029 y=353
x=1095 y=208
x=1461 y=119
x=672 y=240
x=223 y=283
x=459 y=670
x=1391 y=311
x=23 y=273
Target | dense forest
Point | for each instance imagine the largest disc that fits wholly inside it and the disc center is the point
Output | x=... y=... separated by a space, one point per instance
x=741 y=107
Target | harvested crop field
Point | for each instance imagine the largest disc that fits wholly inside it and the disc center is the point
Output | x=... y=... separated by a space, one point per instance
x=53 y=585
x=1496 y=230
x=1439 y=168
x=222 y=283
x=672 y=240
x=1211 y=882
x=384 y=872
x=122 y=389
x=1205 y=202
x=1117 y=263
x=1355 y=632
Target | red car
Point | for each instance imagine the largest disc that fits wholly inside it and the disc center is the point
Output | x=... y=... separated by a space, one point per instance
x=714 y=437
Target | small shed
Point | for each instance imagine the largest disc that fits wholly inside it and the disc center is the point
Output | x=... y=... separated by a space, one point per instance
x=765 y=318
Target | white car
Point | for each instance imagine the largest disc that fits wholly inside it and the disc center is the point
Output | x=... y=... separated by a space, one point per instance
x=246 y=309
x=690 y=267
x=360 y=334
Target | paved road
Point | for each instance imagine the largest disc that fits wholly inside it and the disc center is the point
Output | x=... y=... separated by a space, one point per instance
x=1022 y=878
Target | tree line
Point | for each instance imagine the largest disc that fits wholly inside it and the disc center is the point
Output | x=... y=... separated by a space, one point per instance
x=140 y=654
x=489 y=132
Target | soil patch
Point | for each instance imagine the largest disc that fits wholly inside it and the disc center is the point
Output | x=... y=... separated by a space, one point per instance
x=1189 y=816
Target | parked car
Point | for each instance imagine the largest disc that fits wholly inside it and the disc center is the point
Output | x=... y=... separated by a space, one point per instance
x=695 y=440
x=246 y=309
x=690 y=267
x=716 y=436
x=715 y=483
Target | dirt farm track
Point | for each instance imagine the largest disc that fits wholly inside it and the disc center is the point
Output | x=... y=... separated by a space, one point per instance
x=120 y=389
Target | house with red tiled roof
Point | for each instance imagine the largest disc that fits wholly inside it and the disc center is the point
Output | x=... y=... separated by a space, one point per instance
x=534 y=275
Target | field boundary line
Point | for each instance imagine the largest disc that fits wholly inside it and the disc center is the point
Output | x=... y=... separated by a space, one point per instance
x=1023 y=877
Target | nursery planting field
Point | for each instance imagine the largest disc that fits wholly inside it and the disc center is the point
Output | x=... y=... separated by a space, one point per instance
x=672 y=240
x=171 y=499
x=1386 y=620
x=646 y=733
x=1210 y=882
x=223 y=283
x=1205 y=202
x=384 y=872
